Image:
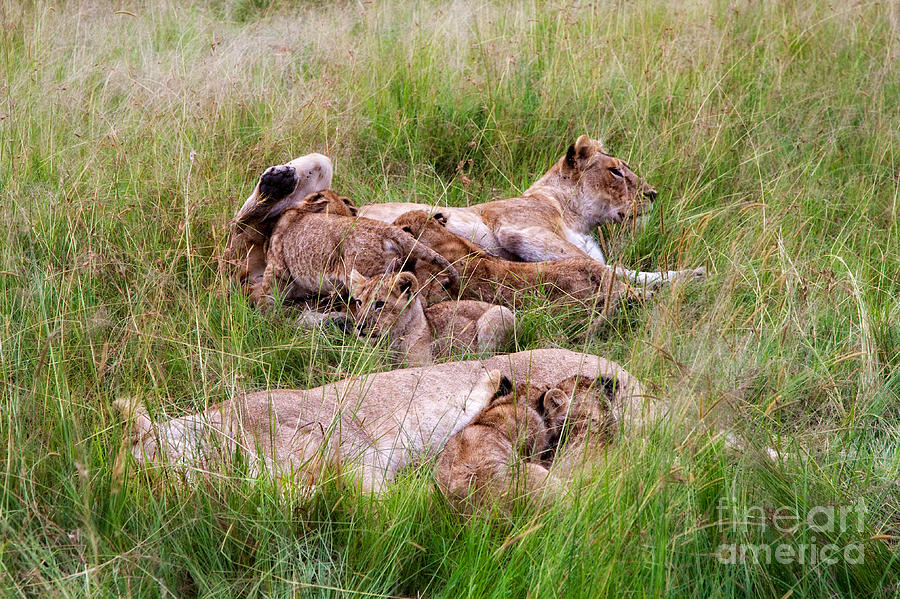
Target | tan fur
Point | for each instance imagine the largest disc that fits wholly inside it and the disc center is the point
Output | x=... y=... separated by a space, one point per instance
x=554 y=218
x=278 y=188
x=503 y=454
x=496 y=458
x=303 y=433
x=316 y=244
x=581 y=421
x=492 y=279
x=369 y=426
x=390 y=306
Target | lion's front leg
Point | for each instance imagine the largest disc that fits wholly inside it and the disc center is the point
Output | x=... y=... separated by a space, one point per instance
x=652 y=281
x=536 y=244
x=262 y=294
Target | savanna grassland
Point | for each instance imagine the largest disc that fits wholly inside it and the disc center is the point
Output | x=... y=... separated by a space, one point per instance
x=131 y=131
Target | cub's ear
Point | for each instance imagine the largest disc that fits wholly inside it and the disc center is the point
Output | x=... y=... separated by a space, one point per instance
x=504 y=388
x=406 y=283
x=356 y=282
x=554 y=399
x=440 y=218
x=351 y=205
x=316 y=202
x=570 y=157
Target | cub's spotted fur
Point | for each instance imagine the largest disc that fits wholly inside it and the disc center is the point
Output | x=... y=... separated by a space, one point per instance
x=390 y=306
x=316 y=244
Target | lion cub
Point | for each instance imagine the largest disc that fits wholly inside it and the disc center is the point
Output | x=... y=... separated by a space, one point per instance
x=581 y=422
x=316 y=244
x=495 y=458
x=390 y=306
x=492 y=279
x=279 y=188
x=505 y=452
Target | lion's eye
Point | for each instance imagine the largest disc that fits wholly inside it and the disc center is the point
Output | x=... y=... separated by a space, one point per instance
x=378 y=305
x=616 y=172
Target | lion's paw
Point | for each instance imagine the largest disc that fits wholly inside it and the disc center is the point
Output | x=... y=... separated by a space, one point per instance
x=696 y=274
x=278 y=181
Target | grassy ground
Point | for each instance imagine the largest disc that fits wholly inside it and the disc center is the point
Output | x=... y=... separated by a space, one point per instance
x=129 y=133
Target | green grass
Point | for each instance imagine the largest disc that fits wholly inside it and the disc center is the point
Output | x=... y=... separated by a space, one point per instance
x=128 y=139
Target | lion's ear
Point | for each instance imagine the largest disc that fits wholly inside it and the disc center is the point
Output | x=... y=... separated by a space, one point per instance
x=351 y=205
x=554 y=399
x=356 y=282
x=609 y=386
x=316 y=202
x=407 y=284
x=584 y=147
x=570 y=157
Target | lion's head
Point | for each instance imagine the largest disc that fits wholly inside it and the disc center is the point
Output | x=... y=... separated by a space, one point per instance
x=381 y=304
x=327 y=202
x=606 y=189
x=579 y=408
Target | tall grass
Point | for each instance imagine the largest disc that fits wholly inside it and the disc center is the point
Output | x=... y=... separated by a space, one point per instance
x=129 y=134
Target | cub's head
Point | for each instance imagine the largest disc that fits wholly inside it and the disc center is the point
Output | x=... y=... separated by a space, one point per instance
x=382 y=304
x=514 y=411
x=419 y=223
x=327 y=202
x=431 y=229
x=607 y=189
x=579 y=408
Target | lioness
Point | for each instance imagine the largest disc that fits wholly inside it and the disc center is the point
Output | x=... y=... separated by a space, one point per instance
x=553 y=219
x=390 y=306
x=370 y=426
x=316 y=244
x=279 y=188
x=492 y=279
x=300 y=433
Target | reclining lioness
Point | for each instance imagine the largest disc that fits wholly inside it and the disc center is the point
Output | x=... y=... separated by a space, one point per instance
x=390 y=306
x=368 y=426
x=554 y=218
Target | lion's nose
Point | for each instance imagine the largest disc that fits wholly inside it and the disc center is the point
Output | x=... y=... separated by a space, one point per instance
x=650 y=193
